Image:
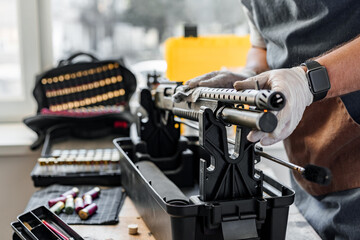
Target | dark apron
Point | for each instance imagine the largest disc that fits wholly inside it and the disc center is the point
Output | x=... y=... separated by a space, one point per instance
x=297 y=30
x=329 y=132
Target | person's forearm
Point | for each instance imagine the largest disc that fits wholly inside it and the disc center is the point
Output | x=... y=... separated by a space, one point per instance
x=256 y=60
x=343 y=68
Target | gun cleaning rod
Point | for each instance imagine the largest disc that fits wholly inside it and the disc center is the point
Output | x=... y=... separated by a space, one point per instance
x=259 y=152
x=279 y=161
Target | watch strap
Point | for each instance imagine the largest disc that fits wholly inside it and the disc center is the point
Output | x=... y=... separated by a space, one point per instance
x=311 y=65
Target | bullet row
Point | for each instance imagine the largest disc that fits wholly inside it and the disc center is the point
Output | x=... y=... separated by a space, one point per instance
x=84 y=87
x=100 y=108
x=80 y=74
x=99 y=152
x=88 y=101
x=61 y=166
x=89 y=111
x=75 y=161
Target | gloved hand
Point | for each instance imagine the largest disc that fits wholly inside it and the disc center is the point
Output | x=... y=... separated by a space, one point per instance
x=184 y=93
x=294 y=85
x=220 y=79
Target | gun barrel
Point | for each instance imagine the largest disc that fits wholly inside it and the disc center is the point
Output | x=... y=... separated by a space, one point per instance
x=262 y=99
x=263 y=121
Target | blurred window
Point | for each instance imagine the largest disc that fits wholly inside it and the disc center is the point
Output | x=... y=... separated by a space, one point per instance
x=37 y=34
x=10 y=69
x=135 y=29
x=19 y=58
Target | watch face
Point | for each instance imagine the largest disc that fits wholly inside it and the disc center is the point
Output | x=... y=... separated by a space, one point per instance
x=319 y=80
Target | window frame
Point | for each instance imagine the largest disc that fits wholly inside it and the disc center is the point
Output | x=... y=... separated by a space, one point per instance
x=28 y=12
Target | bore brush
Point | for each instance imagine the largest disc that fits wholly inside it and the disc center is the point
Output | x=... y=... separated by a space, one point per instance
x=312 y=173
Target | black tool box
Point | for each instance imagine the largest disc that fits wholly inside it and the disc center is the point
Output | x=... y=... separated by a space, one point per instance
x=30 y=226
x=196 y=219
x=203 y=187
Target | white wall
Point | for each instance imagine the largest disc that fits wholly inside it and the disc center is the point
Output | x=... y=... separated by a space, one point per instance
x=16 y=163
x=16 y=189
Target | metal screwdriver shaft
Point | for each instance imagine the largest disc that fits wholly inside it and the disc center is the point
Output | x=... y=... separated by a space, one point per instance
x=312 y=173
x=297 y=168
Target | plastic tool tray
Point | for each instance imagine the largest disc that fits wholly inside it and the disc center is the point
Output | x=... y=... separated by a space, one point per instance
x=104 y=177
x=197 y=219
x=60 y=144
x=30 y=226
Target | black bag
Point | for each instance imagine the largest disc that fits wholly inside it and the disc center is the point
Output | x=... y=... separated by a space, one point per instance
x=92 y=97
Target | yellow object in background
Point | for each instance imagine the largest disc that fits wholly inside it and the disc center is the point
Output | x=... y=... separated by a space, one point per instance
x=189 y=57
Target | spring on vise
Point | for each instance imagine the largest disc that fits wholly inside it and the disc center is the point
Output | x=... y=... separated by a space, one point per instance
x=189 y=114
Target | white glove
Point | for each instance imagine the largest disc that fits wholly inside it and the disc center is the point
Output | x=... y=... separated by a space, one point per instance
x=220 y=79
x=294 y=85
x=184 y=93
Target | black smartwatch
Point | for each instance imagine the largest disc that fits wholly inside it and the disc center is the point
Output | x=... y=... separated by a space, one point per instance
x=318 y=79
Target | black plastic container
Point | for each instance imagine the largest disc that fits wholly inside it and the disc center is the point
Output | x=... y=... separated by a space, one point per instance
x=104 y=177
x=205 y=220
x=30 y=226
x=19 y=232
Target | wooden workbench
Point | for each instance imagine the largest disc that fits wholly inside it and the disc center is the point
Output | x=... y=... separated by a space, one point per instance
x=128 y=215
x=298 y=227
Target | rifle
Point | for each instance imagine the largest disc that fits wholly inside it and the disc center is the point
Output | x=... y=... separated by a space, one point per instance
x=235 y=200
x=248 y=108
